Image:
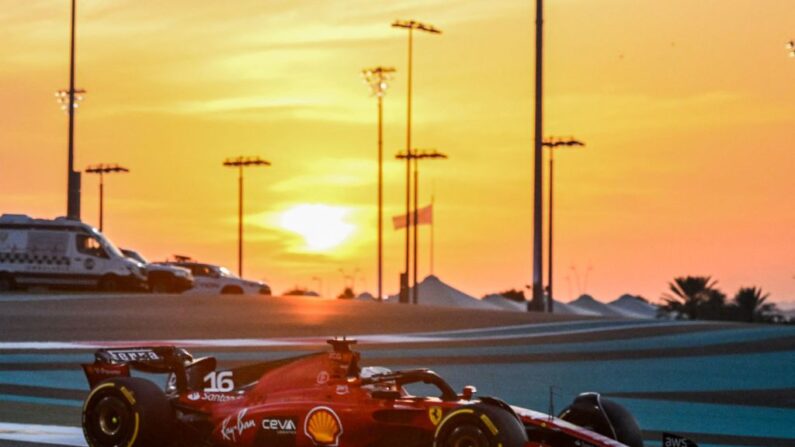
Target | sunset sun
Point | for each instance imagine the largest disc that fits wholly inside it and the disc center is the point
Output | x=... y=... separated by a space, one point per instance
x=322 y=227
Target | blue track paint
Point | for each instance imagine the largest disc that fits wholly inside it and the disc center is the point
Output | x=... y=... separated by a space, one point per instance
x=70 y=379
x=41 y=400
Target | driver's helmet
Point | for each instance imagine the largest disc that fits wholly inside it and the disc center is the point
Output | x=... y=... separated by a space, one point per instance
x=370 y=371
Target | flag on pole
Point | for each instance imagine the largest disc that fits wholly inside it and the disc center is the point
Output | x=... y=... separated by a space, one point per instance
x=424 y=217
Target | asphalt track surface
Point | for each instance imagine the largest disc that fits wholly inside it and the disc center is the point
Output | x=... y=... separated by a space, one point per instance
x=721 y=384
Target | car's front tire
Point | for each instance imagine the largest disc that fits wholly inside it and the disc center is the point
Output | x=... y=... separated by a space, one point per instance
x=127 y=411
x=480 y=425
x=109 y=283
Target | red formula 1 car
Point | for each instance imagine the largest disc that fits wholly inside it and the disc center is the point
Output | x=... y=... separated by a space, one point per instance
x=319 y=400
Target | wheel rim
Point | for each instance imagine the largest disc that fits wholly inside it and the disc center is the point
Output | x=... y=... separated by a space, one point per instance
x=467 y=436
x=111 y=419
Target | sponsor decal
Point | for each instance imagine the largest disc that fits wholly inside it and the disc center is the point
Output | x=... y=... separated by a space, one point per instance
x=232 y=432
x=88 y=264
x=342 y=389
x=435 y=415
x=213 y=397
x=280 y=425
x=672 y=440
x=322 y=377
x=108 y=370
x=132 y=355
x=128 y=394
x=323 y=427
x=277 y=431
x=490 y=425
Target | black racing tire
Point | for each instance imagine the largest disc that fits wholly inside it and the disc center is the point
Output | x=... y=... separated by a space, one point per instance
x=160 y=284
x=604 y=416
x=624 y=423
x=109 y=283
x=129 y=412
x=160 y=287
x=7 y=282
x=231 y=290
x=480 y=425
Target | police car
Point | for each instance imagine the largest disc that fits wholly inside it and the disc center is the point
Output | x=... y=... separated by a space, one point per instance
x=162 y=278
x=214 y=279
x=62 y=252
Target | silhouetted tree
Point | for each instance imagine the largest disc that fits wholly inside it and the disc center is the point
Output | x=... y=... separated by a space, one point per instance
x=714 y=307
x=347 y=294
x=296 y=291
x=514 y=295
x=690 y=296
x=749 y=305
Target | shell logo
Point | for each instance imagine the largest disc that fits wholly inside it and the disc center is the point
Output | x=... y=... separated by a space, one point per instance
x=323 y=427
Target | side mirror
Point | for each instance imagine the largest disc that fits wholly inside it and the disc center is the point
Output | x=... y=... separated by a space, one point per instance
x=468 y=392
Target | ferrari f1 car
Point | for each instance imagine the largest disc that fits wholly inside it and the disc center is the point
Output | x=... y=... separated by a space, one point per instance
x=319 y=400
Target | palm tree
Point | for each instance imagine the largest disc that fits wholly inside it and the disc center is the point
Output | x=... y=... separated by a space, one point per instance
x=750 y=305
x=688 y=297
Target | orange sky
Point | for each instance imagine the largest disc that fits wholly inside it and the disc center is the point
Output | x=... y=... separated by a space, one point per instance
x=686 y=107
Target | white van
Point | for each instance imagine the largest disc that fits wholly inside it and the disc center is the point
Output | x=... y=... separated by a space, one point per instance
x=62 y=253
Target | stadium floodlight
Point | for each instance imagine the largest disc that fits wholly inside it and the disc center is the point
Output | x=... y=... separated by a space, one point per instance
x=101 y=170
x=378 y=80
x=240 y=163
x=62 y=96
x=410 y=25
x=552 y=143
x=417 y=155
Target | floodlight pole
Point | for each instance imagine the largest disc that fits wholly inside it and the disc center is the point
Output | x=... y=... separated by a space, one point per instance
x=553 y=143
x=240 y=163
x=537 y=302
x=103 y=169
x=377 y=79
x=410 y=25
x=417 y=155
x=73 y=178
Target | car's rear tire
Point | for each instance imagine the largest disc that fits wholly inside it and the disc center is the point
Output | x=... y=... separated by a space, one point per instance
x=231 y=290
x=480 y=425
x=159 y=283
x=7 y=283
x=127 y=411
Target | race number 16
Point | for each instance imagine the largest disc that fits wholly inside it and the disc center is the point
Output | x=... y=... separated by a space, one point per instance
x=219 y=382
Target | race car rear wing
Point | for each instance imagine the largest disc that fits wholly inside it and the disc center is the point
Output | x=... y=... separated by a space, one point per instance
x=118 y=362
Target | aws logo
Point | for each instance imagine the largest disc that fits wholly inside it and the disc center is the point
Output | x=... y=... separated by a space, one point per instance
x=323 y=427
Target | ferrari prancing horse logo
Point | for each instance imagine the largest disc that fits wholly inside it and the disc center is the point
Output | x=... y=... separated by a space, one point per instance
x=435 y=415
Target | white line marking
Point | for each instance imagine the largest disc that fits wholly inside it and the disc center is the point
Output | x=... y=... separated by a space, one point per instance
x=43 y=434
x=427 y=337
